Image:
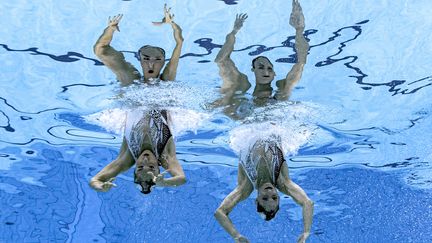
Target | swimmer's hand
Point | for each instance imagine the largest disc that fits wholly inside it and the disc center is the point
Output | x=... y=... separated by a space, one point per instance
x=303 y=237
x=114 y=21
x=168 y=17
x=238 y=23
x=103 y=186
x=297 y=18
x=159 y=179
x=241 y=239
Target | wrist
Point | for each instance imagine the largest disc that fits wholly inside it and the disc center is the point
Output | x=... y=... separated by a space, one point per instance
x=300 y=29
x=161 y=182
x=110 y=28
x=95 y=183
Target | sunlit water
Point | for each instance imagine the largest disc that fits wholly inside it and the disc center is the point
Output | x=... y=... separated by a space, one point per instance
x=356 y=133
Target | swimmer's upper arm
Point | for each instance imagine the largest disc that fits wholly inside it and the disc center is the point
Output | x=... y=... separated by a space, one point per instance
x=231 y=76
x=122 y=163
x=233 y=79
x=288 y=187
x=241 y=192
x=125 y=72
x=113 y=59
x=171 y=163
x=285 y=86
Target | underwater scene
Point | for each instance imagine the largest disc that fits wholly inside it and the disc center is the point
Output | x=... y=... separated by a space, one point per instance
x=181 y=121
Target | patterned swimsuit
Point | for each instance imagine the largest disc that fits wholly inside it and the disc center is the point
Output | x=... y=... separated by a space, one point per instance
x=273 y=156
x=149 y=126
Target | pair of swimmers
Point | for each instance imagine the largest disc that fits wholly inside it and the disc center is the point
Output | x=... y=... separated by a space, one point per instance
x=149 y=144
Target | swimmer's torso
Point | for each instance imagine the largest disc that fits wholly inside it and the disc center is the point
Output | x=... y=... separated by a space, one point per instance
x=264 y=159
x=147 y=130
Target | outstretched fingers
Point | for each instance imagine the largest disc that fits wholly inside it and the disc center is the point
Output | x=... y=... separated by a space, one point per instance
x=296 y=5
x=242 y=16
x=114 y=21
x=115 y=18
x=168 y=17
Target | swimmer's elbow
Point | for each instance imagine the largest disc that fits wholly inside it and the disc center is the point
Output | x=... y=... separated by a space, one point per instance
x=181 y=180
x=221 y=61
x=220 y=213
x=308 y=203
x=97 y=50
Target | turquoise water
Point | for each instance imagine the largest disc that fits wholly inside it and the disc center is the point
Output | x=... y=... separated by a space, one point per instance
x=360 y=126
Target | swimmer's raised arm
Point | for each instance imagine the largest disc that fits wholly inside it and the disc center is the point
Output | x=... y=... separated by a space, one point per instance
x=288 y=187
x=286 y=85
x=172 y=166
x=232 y=77
x=113 y=59
x=170 y=70
x=241 y=192
x=102 y=181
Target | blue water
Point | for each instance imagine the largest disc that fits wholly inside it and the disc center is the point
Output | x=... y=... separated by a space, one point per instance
x=364 y=97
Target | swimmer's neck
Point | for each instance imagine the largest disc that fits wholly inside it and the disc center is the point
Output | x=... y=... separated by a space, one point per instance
x=263 y=87
x=264 y=175
x=146 y=143
x=262 y=90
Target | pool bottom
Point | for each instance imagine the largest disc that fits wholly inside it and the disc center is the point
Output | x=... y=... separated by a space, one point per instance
x=351 y=205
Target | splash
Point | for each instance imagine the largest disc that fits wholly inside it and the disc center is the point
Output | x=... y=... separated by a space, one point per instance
x=112 y=120
x=158 y=93
x=182 y=120
x=291 y=122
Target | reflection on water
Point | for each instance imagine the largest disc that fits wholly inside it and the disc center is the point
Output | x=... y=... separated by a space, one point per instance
x=69 y=57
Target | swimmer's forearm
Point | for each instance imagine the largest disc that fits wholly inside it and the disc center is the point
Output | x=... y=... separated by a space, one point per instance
x=179 y=42
x=104 y=40
x=122 y=163
x=175 y=181
x=286 y=86
x=177 y=33
x=308 y=208
x=170 y=71
x=227 y=48
x=226 y=223
x=301 y=46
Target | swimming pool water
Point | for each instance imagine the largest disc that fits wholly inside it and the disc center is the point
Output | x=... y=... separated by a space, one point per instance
x=364 y=100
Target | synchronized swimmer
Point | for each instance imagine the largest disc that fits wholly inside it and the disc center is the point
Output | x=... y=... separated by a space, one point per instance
x=148 y=141
x=236 y=82
x=263 y=166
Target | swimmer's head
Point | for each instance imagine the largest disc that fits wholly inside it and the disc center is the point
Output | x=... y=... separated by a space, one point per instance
x=146 y=168
x=267 y=201
x=152 y=59
x=263 y=70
